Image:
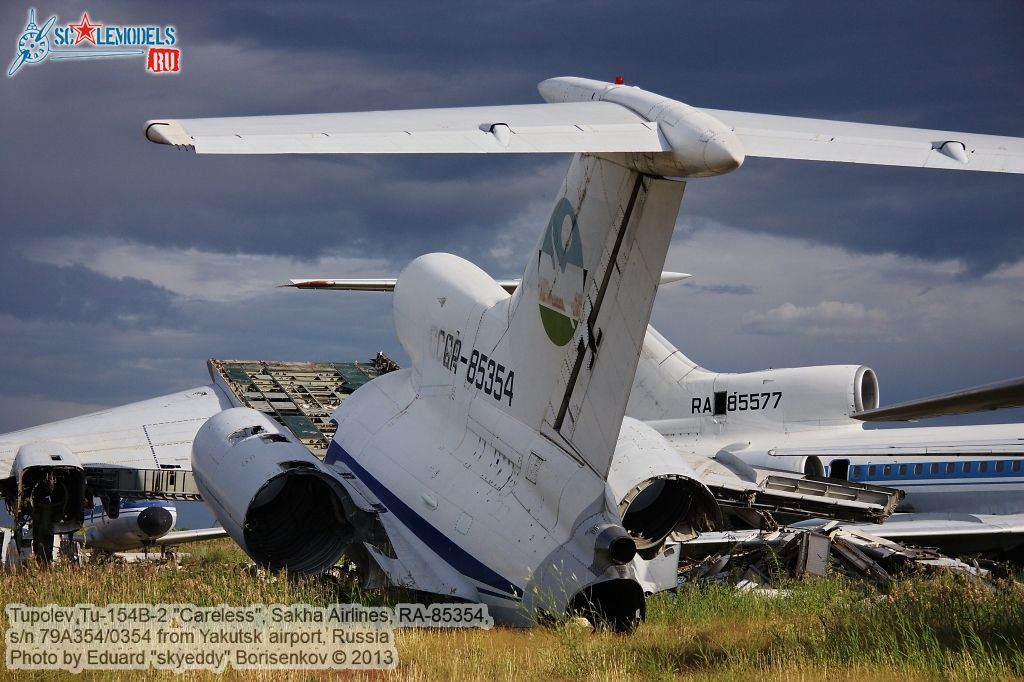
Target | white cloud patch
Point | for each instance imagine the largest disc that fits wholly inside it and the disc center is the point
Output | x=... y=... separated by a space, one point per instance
x=827 y=318
x=925 y=325
x=198 y=275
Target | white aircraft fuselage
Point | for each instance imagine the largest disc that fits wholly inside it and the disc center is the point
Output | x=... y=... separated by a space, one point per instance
x=799 y=420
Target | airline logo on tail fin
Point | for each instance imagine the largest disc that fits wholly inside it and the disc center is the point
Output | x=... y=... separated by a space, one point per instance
x=561 y=277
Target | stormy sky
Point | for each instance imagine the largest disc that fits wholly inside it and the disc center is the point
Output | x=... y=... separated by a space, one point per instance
x=125 y=265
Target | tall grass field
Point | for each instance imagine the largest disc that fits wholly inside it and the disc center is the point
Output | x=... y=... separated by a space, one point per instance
x=938 y=628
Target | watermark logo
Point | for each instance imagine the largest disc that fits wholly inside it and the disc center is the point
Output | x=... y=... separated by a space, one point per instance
x=88 y=40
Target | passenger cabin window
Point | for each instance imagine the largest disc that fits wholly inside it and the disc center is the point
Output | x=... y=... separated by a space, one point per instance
x=999 y=467
x=918 y=469
x=1016 y=466
x=934 y=468
x=950 y=468
x=903 y=470
x=887 y=470
x=982 y=467
x=966 y=468
x=871 y=470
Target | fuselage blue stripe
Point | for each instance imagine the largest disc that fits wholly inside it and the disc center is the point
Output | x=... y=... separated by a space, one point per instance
x=938 y=473
x=438 y=542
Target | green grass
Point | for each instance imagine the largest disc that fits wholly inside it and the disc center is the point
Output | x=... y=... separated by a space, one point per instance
x=922 y=629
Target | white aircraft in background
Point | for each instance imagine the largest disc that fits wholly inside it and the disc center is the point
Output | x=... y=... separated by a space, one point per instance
x=139 y=524
x=499 y=467
x=964 y=484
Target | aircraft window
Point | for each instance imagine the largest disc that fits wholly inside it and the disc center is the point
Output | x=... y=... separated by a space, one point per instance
x=887 y=470
x=871 y=470
x=918 y=469
x=950 y=467
x=839 y=469
x=903 y=470
x=1016 y=466
x=999 y=467
x=934 y=468
x=982 y=467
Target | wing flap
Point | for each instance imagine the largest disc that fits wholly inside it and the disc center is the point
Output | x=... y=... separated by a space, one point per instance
x=790 y=137
x=524 y=128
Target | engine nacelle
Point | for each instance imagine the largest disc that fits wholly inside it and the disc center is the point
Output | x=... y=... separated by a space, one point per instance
x=50 y=484
x=806 y=465
x=798 y=395
x=685 y=399
x=277 y=500
x=657 y=491
x=141 y=524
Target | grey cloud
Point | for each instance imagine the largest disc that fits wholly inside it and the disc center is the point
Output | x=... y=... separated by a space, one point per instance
x=78 y=166
x=76 y=295
x=728 y=289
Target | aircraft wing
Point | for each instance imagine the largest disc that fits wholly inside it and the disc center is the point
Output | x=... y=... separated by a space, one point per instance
x=810 y=139
x=178 y=537
x=563 y=127
x=144 y=435
x=581 y=126
x=995 y=396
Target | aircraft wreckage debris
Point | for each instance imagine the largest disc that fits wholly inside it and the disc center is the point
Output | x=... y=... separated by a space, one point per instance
x=755 y=560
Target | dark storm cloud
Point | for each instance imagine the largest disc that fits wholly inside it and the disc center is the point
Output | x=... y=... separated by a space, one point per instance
x=76 y=295
x=76 y=166
x=239 y=58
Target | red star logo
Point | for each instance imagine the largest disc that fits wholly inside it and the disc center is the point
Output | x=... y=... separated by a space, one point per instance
x=85 y=30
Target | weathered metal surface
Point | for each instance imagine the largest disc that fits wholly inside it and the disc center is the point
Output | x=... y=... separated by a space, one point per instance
x=757 y=560
x=150 y=484
x=300 y=396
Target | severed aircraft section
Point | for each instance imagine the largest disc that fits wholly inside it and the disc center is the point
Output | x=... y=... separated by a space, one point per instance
x=142 y=451
x=300 y=396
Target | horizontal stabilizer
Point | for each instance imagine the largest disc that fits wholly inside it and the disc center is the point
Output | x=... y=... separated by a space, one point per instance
x=524 y=128
x=995 y=396
x=810 y=139
x=584 y=115
x=508 y=285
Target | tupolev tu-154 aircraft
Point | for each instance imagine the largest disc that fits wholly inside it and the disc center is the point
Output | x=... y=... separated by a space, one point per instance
x=964 y=484
x=499 y=467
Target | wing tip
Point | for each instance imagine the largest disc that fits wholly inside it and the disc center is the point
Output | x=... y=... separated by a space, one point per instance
x=170 y=132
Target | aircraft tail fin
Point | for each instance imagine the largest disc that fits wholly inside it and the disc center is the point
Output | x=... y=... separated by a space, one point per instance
x=578 y=319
